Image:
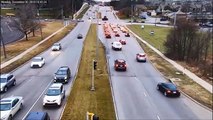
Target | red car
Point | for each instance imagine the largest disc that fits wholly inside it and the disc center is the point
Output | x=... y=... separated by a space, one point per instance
x=117 y=35
x=123 y=42
x=120 y=64
x=127 y=35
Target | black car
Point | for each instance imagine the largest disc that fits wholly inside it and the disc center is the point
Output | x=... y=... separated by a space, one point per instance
x=168 y=89
x=80 y=36
x=6 y=81
x=62 y=75
x=37 y=116
x=127 y=34
x=104 y=18
x=120 y=64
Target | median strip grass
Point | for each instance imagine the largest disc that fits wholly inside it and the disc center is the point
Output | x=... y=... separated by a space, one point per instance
x=45 y=45
x=81 y=99
x=83 y=12
x=185 y=84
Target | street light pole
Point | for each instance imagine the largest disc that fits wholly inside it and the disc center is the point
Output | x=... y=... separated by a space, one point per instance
x=40 y=24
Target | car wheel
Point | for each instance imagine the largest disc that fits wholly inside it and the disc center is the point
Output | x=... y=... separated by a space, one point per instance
x=10 y=117
x=157 y=87
x=165 y=94
x=21 y=106
x=14 y=83
x=5 y=89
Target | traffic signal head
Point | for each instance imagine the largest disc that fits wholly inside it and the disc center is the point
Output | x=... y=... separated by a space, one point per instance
x=95 y=64
x=95 y=117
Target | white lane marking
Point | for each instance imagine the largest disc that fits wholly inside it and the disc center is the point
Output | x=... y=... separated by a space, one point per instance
x=158 y=117
x=9 y=27
x=36 y=101
x=144 y=94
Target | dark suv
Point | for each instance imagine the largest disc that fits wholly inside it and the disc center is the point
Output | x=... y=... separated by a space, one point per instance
x=120 y=64
x=6 y=81
x=62 y=75
x=37 y=116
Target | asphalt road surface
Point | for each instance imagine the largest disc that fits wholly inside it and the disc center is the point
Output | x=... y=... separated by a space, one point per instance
x=33 y=83
x=134 y=91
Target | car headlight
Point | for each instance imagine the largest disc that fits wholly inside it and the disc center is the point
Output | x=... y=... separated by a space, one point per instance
x=5 y=117
x=65 y=77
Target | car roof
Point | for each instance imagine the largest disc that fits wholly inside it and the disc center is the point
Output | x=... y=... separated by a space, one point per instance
x=170 y=85
x=8 y=99
x=56 y=44
x=5 y=75
x=141 y=53
x=56 y=85
x=37 y=57
x=35 y=116
x=120 y=60
x=64 y=68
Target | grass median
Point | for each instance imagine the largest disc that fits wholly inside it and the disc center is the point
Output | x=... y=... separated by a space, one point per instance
x=81 y=99
x=45 y=45
x=185 y=84
x=83 y=12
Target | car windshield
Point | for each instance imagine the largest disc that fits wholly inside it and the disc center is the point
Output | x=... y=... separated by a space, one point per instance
x=53 y=92
x=36 y=59
x=4 y=107
x=61 y=72
x=3 y=80
x=56 y=44
x=118 y=44
x=171 y=86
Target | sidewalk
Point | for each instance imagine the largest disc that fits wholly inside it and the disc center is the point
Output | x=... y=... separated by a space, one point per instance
x=28 y=50
x=191 y=75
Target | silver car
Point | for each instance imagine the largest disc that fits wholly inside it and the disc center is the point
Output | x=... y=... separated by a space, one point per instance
x=6 y=81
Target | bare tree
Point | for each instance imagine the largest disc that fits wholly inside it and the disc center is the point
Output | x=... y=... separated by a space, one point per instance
x=26 y=22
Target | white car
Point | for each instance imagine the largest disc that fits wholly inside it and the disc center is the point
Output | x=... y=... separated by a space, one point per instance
x=10 y=106
x=56 y=47
x=141 y=57
x=55 y=94
x=116 y=46
x=37 y=62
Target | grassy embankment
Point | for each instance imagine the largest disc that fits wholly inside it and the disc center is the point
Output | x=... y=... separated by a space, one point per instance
x=186 y=85
x=18 y=47
x=81 y=99
x=83 y=12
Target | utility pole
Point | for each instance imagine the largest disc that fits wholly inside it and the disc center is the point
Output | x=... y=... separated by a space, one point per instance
x=2 y=43
x=38 y=14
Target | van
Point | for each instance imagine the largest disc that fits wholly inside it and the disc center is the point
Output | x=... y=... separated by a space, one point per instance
x=37 y=116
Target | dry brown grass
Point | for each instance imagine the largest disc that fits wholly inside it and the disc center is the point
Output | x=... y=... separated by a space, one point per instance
x=45 y=45
x=186 y=85
x=81 y=99
x=18 y=47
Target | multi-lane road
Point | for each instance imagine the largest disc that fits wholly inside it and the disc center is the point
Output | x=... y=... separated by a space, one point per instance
x=33 y=83
x=135 y=94
x=134 y=91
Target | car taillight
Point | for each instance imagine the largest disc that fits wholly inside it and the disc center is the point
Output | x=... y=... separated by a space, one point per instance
x=116 y=65
x=125 y=65
x=168 y=91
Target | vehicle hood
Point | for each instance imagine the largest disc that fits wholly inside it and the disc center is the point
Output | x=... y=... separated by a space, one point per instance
x=51 y=98
x=2 y=84
x=4 y=114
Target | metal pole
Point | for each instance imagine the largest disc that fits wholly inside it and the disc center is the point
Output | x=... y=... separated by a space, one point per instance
x=93 y=72
x=40 y=24
x=2 y=42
